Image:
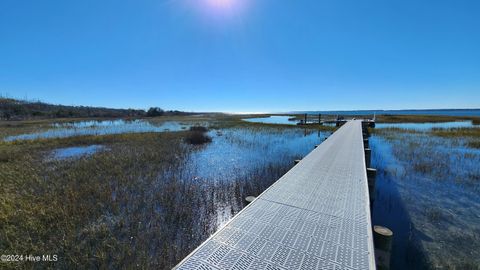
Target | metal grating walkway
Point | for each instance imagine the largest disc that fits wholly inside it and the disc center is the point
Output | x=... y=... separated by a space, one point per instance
x=316 y=216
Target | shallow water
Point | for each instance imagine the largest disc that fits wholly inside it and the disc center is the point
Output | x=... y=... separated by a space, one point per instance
x=78 y=151
x=272 y=120
x=83 y=128
x=426 y=126
x=250 y=156
x=427 y=193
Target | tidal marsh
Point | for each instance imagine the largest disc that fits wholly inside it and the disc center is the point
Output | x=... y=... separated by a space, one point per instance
x=146 y=202
x=427 y=191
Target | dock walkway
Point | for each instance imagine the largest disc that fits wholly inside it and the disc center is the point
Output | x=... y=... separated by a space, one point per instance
x=316 y=216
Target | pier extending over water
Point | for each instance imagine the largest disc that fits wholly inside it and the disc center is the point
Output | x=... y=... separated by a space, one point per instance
x=316 y=216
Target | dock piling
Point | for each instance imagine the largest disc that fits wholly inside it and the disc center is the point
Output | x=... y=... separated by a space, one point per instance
x=382 y=240
x=250 y=199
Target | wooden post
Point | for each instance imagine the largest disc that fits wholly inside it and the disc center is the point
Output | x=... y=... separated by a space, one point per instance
x=382 y=240
x=316 y=146
x=249 y=199
x=368 y=155
x=366 y=144
x=319 y=119
x=305 y=119
x=371 y=177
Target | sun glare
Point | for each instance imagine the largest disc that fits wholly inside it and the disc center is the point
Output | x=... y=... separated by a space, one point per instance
x=223 y=8
x=221 y=4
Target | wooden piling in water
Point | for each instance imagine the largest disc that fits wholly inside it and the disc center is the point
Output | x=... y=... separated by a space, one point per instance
x=382 y=240
x=305 y=117
x=250 y=199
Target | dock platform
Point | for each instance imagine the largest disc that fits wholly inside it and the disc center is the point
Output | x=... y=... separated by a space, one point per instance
x=316 y=216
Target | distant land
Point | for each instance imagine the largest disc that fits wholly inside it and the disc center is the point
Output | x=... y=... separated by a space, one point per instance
x=14 y=109
x=436 y=112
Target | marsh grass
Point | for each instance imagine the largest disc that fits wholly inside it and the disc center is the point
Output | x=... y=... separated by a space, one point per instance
x=471 y=135
x=197 y=135
x=141 y=204
x=438 y=177
x=92 y=211
x=424 y=118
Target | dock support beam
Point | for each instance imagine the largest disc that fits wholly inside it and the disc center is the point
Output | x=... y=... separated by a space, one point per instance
x=371 y=176
x=366 y=144
x=382 y=240
x=368 y=156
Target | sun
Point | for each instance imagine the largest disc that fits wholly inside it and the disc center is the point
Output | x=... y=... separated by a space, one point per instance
x=221 y=4
x=223 y=10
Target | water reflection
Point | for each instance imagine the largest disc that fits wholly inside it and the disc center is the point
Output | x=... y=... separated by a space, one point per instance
x=285 y=120
x=83 y=128
x=78 y=151
x=245 y=161
x=427 y=192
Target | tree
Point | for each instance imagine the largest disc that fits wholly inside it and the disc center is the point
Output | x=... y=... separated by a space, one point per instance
x=155 y=111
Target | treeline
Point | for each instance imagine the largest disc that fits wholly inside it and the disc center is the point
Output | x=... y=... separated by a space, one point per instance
x=13 y=109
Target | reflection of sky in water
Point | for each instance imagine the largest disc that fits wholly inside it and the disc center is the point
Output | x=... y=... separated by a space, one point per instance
x=425 y=126
x=427 y=190
x=78 y=151
x=237 y=152
x=272 y=120
x=83 y=128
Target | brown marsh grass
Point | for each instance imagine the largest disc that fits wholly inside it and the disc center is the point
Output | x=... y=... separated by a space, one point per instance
x=133 y=205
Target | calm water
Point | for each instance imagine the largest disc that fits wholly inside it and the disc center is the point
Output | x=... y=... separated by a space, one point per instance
x=460 y=112
x=426 y=126
x=253 y=158
x=83 y=128
x=428 y=193
x=410 y=126
x=75 y=152
x=272 y=120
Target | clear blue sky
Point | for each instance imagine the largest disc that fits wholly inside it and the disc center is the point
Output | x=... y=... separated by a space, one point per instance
x=243 y=55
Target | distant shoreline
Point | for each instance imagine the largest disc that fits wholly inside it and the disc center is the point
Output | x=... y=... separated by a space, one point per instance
x=433 y=112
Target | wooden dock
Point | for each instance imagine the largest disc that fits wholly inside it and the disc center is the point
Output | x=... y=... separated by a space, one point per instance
x=316 y=216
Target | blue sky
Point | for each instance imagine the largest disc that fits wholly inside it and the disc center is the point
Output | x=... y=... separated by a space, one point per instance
x=243 y=55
